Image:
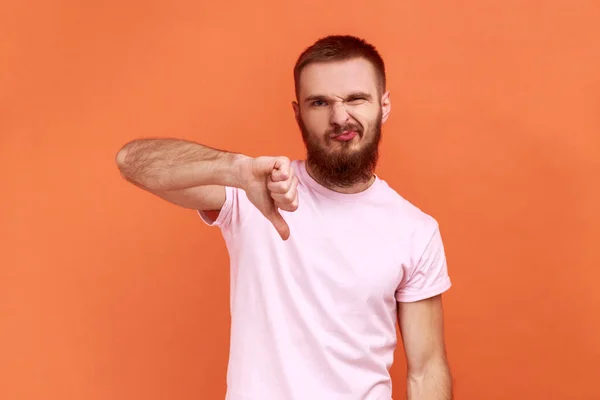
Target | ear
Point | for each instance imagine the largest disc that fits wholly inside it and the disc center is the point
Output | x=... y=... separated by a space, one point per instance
x=386 y=107
x=296 y=108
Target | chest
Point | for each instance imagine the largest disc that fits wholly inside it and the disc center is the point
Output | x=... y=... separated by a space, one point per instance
x=351 y=255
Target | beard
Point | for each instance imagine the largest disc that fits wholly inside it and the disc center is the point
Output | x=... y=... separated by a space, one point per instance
x=343 y=167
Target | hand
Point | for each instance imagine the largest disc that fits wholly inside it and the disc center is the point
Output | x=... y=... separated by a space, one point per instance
x=270 y=184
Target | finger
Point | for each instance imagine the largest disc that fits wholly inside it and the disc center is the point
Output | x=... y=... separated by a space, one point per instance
x=280 y=225
x=291 y=189
x=290 y=206
x=287 y=201
x=282 y=186
x=285 y=198
x=279 y=175
x=281 y=170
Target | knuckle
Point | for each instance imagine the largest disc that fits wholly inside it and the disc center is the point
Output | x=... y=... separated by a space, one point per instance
x=289 y=197
x=282 y=187
x=275 y=187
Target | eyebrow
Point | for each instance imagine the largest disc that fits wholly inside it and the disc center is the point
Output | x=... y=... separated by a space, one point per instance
x=316 y=97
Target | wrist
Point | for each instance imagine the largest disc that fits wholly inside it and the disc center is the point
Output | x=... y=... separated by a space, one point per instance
x=241 y=169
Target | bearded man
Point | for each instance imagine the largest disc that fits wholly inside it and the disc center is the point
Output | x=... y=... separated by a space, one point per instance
x=325 y=256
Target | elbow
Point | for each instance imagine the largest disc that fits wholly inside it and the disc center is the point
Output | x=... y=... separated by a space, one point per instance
x=433 y=366
x=121 y=158
x=133 y=169
x=432 y=377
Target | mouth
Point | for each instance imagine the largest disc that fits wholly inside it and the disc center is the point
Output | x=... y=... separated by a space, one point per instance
x=345 y=136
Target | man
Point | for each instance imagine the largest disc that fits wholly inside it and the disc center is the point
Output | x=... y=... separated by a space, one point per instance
x=325 y=256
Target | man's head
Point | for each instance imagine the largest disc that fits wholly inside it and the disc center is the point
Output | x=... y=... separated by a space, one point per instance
x=341 y=103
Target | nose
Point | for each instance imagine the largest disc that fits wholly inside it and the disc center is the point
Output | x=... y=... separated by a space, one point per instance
x=339 y=116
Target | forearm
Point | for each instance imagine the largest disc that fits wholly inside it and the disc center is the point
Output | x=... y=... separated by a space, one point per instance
x=172 y=164
x=433 y=383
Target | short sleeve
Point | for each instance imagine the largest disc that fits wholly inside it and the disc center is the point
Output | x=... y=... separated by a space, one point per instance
x=428 y=276
x=230 y=211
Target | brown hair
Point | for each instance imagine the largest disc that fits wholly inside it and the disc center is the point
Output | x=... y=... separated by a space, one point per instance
x=340 y=48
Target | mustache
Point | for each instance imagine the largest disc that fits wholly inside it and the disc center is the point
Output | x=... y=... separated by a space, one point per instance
x=339 y=129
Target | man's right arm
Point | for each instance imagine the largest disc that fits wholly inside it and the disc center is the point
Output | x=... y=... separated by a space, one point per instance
x=195 y=176
x=184 y=173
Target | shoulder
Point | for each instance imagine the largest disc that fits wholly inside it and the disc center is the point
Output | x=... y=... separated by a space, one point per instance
x=412 y=227
x=400 y=208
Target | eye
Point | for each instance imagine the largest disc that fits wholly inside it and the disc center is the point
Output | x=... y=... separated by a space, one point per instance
x=356 y=100
x=319 y=103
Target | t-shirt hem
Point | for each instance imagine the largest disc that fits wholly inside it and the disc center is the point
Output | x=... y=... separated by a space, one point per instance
x=224 y=212
x=205 y=219
x=430 y=292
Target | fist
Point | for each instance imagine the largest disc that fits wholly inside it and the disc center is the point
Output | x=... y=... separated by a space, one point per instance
x=282 y=185
x=271 y=185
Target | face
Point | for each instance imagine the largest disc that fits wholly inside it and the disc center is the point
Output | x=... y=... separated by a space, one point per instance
x=340 y=111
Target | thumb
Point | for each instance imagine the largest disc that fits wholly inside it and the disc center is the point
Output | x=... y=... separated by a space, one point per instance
x=279 y=223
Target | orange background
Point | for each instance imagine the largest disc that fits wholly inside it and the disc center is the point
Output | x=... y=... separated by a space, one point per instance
x=109 y=293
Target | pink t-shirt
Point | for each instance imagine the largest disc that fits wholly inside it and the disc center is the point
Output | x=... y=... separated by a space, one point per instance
x=314 y=317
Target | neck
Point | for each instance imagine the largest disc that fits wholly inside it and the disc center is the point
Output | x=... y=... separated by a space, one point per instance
x=353 y=189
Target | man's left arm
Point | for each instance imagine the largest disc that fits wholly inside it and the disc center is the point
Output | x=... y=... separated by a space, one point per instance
x=422 y=328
